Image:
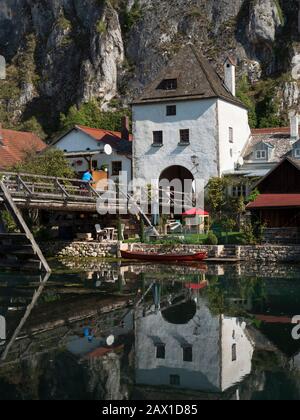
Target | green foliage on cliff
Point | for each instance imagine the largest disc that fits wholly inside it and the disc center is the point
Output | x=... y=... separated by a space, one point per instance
x=243 y=93
x=91 y=115
x=262 y=101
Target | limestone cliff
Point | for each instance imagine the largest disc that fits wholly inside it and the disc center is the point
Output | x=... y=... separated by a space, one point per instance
x=66 y=52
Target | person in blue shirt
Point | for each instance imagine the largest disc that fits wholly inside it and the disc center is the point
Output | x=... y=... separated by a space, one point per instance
x=87 y=179
x=87 y=176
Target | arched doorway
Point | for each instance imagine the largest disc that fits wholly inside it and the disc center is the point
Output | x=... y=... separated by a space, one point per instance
x=176 y=172
x=176 y=185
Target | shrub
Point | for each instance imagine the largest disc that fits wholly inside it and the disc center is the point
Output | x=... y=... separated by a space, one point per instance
x=212 y=239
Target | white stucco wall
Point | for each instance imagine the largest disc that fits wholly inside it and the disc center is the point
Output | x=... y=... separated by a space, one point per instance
x=201 y=374
x=200 y=117
x=211 y=337
x=77 y=141
x=234 y=371
x=230 y=115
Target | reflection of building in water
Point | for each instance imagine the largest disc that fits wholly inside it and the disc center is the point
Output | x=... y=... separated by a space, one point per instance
x=202 y=352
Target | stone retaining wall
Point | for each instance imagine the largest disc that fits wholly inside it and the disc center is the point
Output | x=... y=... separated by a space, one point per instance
x=262 y=253
x=81 y=249
x=270 y=253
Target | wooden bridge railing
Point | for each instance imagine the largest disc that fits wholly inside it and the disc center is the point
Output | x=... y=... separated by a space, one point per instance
x=39 y=186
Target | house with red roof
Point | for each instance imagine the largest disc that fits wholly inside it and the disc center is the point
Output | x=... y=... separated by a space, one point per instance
x=98 y=149
x=14 y=145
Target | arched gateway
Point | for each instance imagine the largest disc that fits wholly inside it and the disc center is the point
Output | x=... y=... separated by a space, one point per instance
x=176 y=189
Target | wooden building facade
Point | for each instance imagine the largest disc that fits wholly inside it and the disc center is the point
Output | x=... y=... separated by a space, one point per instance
x=278 y=205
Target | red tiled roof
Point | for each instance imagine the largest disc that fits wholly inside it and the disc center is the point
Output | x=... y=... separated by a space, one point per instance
x=15 y=144
x=275 y=200
x=100 y=134
x=275 y=130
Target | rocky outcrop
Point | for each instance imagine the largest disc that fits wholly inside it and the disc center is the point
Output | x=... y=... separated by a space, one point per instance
x=264 y=22
x=97 y=49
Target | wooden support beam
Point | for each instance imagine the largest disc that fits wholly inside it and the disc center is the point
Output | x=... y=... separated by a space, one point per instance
x=15 y=212
x=21 y=182
x=62 y=188
x=29 y=309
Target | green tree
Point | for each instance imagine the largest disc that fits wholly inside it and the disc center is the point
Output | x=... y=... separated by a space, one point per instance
x=50 y=163
x=253 y=196
x=228 y=224
x=32 y=125
x=243 y=93
x=217 y=194
x=268 y=111
x=91 y=115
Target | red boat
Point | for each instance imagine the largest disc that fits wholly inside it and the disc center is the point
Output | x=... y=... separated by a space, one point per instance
x=144 y=256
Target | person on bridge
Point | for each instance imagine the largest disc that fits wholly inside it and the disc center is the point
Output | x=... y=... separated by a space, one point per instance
x=87 y=179
x=87 y=176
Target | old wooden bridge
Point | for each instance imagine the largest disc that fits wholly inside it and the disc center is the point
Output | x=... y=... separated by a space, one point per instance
x=50 y=193
x=29 y=191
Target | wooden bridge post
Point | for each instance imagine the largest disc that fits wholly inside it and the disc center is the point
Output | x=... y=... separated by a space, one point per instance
x=16 y=214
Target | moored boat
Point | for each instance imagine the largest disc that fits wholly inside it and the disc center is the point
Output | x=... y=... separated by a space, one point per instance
x=151 y=256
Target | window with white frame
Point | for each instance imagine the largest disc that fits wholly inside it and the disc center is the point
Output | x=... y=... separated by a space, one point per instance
x=297 y=152
x=261 y=154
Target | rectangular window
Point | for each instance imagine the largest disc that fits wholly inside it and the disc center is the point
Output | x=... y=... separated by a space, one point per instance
x=261 y=154
x=175 y=380
x=116 y=168
x=230 y=134
x=187 y=354
x=171 y=110
x=234 y=353
x=297 y=153
x=239 y=191
x=184 y=136
x=158 y=138
x=160 y=351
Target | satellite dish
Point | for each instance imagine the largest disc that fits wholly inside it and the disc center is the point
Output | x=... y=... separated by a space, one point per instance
x=241 y=161
x=108 y=150
x=110 y=340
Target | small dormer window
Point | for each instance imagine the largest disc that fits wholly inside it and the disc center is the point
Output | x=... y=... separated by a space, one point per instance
x=297 y=153
x=168 y=84
x=261 y=155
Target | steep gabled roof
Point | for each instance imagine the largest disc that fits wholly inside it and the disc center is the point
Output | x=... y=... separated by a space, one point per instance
x=15 y=144
x=294 y=162
x=196 y=79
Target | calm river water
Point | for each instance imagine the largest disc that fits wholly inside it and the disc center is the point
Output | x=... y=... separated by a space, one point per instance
x=104 y=331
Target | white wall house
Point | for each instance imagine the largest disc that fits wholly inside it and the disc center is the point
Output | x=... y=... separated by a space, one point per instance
x=208 y=353
x=189 y=120
x=84 y=146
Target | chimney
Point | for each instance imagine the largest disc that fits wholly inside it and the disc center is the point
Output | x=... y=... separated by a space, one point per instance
x=125 y=128
x=229 y=71
x=294 y=120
